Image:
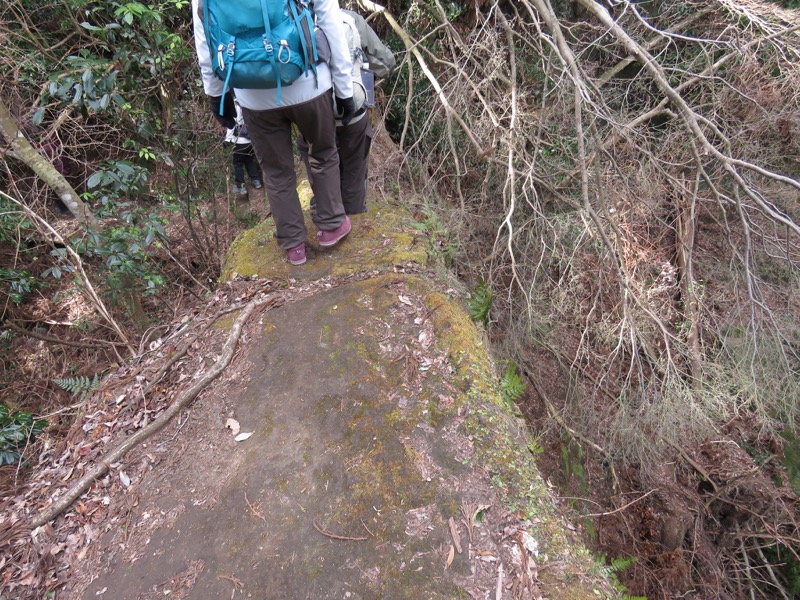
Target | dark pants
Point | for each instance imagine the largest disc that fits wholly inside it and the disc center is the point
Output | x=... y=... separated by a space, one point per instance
x=271 y=134
x=245 y=158
x=353 y=143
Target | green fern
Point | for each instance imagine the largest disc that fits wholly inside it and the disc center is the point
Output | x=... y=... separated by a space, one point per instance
x=480 y=302
x=77 y=386
x=440 y=242
x=616 y=567
x=512 y=385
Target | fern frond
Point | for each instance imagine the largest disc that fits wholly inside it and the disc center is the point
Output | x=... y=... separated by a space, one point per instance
x=480 y=302
x=512 y=385
x=77 y=385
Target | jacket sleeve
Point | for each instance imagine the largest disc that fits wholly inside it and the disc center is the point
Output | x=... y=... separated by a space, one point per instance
x=211 y=84
x=330 y=22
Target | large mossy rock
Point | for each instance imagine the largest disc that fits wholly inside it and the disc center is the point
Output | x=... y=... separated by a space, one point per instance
x=383 y=463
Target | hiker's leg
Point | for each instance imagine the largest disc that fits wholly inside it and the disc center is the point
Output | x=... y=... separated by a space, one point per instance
x=238 y=164
x=250 y=162
x=271 y=134
x=354 y=143
x=315 y=121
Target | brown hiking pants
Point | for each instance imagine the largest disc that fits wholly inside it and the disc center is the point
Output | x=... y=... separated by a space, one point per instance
x=353 y=143
x=271 y=134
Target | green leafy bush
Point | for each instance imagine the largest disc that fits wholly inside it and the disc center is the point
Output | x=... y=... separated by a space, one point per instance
x=440 y=240
x=124 y=247
x=18 y=284
x=17 y=429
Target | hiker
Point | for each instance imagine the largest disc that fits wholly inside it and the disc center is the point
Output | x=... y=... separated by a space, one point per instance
x=269 y=114
x=370 y=58
x=244 y=158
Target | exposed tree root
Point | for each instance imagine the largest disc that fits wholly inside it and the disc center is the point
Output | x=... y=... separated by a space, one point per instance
x=123 y=447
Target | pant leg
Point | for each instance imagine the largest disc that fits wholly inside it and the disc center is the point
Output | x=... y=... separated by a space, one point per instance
x=271 y=134
x=251 y=164
x=354 y=143
x=238 y=164
x=314 y=120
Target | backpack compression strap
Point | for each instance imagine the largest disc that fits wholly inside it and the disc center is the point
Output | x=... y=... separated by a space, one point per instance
x=305 y=27
x=270 y=48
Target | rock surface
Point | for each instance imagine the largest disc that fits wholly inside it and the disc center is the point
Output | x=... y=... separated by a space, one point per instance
x=383 y=462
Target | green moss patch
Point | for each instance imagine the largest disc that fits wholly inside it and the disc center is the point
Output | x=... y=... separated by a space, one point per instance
x=380 y=239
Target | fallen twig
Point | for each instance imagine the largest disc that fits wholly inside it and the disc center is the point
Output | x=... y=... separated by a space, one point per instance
x=237 y=583
x=367 y=528
x=253 y=509
x=338 y=537
x=100 y=345
x=621 y=508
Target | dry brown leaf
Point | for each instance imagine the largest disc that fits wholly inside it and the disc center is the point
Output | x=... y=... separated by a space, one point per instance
x=454 y=533
x=450 y=556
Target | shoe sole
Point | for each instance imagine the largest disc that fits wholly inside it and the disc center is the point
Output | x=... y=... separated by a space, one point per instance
x=337 y=240
x=297 y=263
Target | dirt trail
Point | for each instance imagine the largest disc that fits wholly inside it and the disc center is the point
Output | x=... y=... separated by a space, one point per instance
x=369 y=472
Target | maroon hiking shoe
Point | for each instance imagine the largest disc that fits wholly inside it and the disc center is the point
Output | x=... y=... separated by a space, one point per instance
x=297 y=255
x=331 y=238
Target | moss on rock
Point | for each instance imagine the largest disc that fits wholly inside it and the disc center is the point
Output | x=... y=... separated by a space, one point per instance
x=380 y=239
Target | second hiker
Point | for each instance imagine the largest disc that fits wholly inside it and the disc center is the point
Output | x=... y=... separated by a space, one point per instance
x=244 y=159
x=270 y=113
x=370 y=58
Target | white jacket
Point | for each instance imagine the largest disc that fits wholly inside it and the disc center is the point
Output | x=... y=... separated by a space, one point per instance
x=230 y=134
x=307 y=87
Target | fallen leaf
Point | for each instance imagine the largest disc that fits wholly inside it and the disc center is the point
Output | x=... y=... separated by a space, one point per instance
x=454 y=533
x=123 y=477
x=450 y=556
x=233 y=425
x=243 y=436
x=405 y=300
x=28 y=579
x=531 y=545
x=424 y=338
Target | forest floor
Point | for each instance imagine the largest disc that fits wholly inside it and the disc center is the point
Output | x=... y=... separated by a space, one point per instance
x=339 y=455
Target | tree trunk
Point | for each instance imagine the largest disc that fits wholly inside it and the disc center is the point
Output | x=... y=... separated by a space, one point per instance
x=20 y=148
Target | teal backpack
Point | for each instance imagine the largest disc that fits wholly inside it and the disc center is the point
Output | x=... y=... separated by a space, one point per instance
x=260 y=44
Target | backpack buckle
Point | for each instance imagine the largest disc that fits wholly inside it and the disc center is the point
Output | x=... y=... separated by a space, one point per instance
x=284 y=45
x=220 y=60
x=231 y=48
x=268 y=45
